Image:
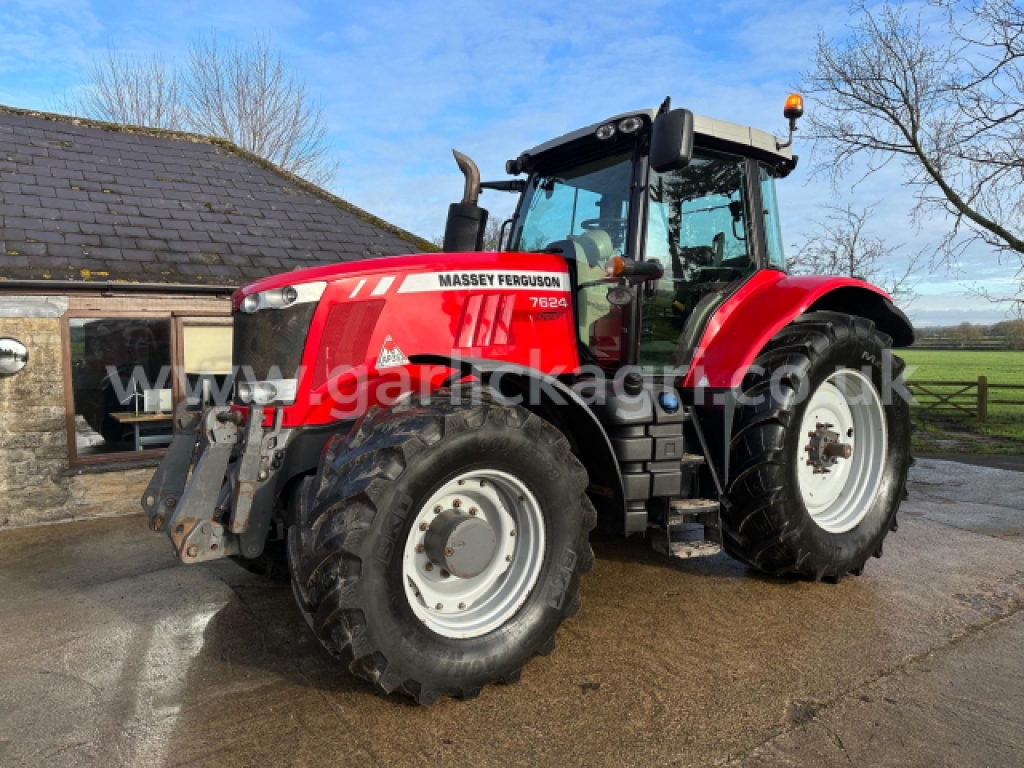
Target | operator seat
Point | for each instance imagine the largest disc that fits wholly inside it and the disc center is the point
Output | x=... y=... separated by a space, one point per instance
x=596 y=245
x=592 y=249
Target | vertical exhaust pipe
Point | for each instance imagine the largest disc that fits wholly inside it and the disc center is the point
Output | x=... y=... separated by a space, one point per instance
x=467 y=221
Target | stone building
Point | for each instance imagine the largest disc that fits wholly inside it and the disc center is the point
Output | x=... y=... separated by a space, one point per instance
x=119 y=249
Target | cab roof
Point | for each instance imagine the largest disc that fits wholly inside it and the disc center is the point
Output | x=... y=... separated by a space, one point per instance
x=718 y=132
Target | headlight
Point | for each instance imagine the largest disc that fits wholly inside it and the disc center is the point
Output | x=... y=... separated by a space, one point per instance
x=250 y=303
x=243 y=390
x=630 y=124
x=264 y=393
x=606 y=131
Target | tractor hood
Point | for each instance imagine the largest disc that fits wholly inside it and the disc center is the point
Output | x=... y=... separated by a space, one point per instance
x=306 y=336
x=366 y=267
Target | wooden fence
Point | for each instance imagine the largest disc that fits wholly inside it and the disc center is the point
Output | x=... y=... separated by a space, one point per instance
x=970 y=398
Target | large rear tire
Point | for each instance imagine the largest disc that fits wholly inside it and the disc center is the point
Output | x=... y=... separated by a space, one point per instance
x=794 y=504
x=376 y=590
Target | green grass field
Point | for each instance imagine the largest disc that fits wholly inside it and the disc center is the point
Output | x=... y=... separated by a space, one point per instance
x=1005 y=424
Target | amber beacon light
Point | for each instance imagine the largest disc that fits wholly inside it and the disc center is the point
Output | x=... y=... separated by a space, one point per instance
x=793 y=110
x=794 y=107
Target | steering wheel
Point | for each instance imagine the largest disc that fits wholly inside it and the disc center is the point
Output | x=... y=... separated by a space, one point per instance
x=608 y=223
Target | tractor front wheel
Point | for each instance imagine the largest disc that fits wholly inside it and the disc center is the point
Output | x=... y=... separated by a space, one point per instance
x=441 y=545
x=820 y=450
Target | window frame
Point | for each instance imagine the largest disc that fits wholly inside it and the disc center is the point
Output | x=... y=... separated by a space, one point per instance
x=177 y=320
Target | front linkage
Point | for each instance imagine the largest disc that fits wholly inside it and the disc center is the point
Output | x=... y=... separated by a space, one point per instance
x=214 y=474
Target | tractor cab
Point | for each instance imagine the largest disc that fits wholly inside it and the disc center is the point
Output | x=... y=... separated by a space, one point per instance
x=685 y=204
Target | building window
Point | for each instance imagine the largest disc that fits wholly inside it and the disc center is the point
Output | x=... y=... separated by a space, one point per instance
x=206 y=362
x=121 y=384
x=127 y=375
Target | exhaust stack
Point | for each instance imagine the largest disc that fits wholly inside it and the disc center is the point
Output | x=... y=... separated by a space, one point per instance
x=467 y=221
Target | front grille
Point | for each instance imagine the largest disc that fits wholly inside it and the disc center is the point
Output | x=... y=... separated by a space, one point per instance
x=345 y=338
x=268 y=344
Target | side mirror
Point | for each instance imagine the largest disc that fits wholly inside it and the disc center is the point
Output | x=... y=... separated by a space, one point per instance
x=13 y=356
x=672 y=140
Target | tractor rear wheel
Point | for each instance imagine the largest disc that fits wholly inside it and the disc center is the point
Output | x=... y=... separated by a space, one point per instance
x=819 y=458
x=441 y=545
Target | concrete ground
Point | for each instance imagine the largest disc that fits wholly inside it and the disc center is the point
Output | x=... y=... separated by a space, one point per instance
x=111 y=653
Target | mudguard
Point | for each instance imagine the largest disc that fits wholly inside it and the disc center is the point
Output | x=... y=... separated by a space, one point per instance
x=559 y=404
x=769 y=301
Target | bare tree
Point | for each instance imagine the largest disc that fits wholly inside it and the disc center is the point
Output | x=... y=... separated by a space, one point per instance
x=243 y=94
x=492 y=235
x=965 y=333
x=843 y=245
x=130 y=90
x=945 y=103
x=1013 y=333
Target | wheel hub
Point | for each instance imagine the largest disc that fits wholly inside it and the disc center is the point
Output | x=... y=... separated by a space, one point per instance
x=473 y=553
x=844 y=419
x=462 y=543
x=824 y=449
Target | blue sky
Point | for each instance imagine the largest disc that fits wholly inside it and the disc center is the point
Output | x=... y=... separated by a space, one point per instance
x=404 y=81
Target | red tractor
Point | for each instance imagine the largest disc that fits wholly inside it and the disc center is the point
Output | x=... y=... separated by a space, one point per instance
x=424 y=443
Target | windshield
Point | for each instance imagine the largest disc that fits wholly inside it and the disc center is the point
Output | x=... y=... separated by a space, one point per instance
x=589 y=206
x=590 y=197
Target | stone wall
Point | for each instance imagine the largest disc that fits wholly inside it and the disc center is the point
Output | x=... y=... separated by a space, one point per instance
x=36 y=484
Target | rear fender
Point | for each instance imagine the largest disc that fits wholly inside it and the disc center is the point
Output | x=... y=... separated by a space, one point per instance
x=747 y=320
x=554 y=401
x=768 y=302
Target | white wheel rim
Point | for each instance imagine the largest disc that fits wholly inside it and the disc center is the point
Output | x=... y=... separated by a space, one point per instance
x=468 y=607
x=838 y=500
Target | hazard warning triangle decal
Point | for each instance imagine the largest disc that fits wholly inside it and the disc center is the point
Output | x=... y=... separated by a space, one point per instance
x=390 y=355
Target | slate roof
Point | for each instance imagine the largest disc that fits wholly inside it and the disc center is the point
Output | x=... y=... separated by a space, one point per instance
x=83 y=200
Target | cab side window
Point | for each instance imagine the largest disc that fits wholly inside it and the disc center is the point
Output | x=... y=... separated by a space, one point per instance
x=772 y=224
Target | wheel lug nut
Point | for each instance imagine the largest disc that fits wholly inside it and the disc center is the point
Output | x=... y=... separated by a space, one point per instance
x=438 y=510
x=473 y=510
x=462 y=606
x=508 y=558
x=444 y=574
x=457 y=503
x=439 y=606
x=419 y=549
x=428 y=567
x=423 y=526
x=512 y=533
x=449 y=552
x=462 y=482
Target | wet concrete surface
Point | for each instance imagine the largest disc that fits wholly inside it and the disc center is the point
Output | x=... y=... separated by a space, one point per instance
x=111 y=653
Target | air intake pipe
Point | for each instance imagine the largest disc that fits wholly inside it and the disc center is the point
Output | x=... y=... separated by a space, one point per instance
x=467 y=221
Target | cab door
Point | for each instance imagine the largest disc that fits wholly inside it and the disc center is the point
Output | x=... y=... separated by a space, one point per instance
x=700 y=228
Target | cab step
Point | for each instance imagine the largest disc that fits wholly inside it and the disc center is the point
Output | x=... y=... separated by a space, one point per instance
x=686 y=549
x=692 y=511
x=692 y=530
